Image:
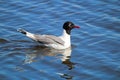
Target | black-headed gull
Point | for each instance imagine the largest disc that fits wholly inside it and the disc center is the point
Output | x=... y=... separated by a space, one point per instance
x=60 y=42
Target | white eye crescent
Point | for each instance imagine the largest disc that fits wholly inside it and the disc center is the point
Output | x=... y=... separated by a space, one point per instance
x=69 y=24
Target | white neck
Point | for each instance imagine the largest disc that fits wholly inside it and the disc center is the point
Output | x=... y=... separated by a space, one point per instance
x=66 y=38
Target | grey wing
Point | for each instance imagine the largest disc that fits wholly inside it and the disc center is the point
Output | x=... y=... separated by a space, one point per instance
x=45 y=39
x=48 y=39
x=55 y=39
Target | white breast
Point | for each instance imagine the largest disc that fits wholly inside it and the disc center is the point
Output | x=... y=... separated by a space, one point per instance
x=66 y=38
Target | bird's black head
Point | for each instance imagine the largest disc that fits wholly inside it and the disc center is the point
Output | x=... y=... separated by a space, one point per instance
x=68 y=26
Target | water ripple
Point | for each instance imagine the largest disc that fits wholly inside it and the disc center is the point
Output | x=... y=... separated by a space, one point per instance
x=95 y=46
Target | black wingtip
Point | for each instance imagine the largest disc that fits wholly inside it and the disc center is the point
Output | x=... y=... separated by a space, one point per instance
x=22 y=31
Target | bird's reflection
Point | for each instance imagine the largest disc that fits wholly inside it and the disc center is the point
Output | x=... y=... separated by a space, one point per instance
x=41 y=52
x=66 y=76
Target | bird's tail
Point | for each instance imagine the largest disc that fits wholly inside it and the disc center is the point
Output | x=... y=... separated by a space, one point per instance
x=22 y=31
x=28 y=34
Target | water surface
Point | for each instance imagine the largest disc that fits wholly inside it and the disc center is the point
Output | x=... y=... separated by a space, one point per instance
x=95 y=52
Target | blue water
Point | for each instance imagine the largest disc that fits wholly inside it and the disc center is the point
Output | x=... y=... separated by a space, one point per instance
x=95 y=53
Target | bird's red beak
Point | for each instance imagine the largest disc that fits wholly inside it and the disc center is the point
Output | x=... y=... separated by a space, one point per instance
x=76 y=26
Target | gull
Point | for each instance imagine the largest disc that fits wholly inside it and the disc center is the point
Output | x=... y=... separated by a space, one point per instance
x=56 y=42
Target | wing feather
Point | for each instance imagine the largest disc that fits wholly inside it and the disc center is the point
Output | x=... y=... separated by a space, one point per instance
x=48 y=39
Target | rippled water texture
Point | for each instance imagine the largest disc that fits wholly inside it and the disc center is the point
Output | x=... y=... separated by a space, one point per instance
x=95 y=52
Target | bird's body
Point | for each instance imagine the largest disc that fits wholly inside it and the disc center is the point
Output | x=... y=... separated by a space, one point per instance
x=57 y=42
